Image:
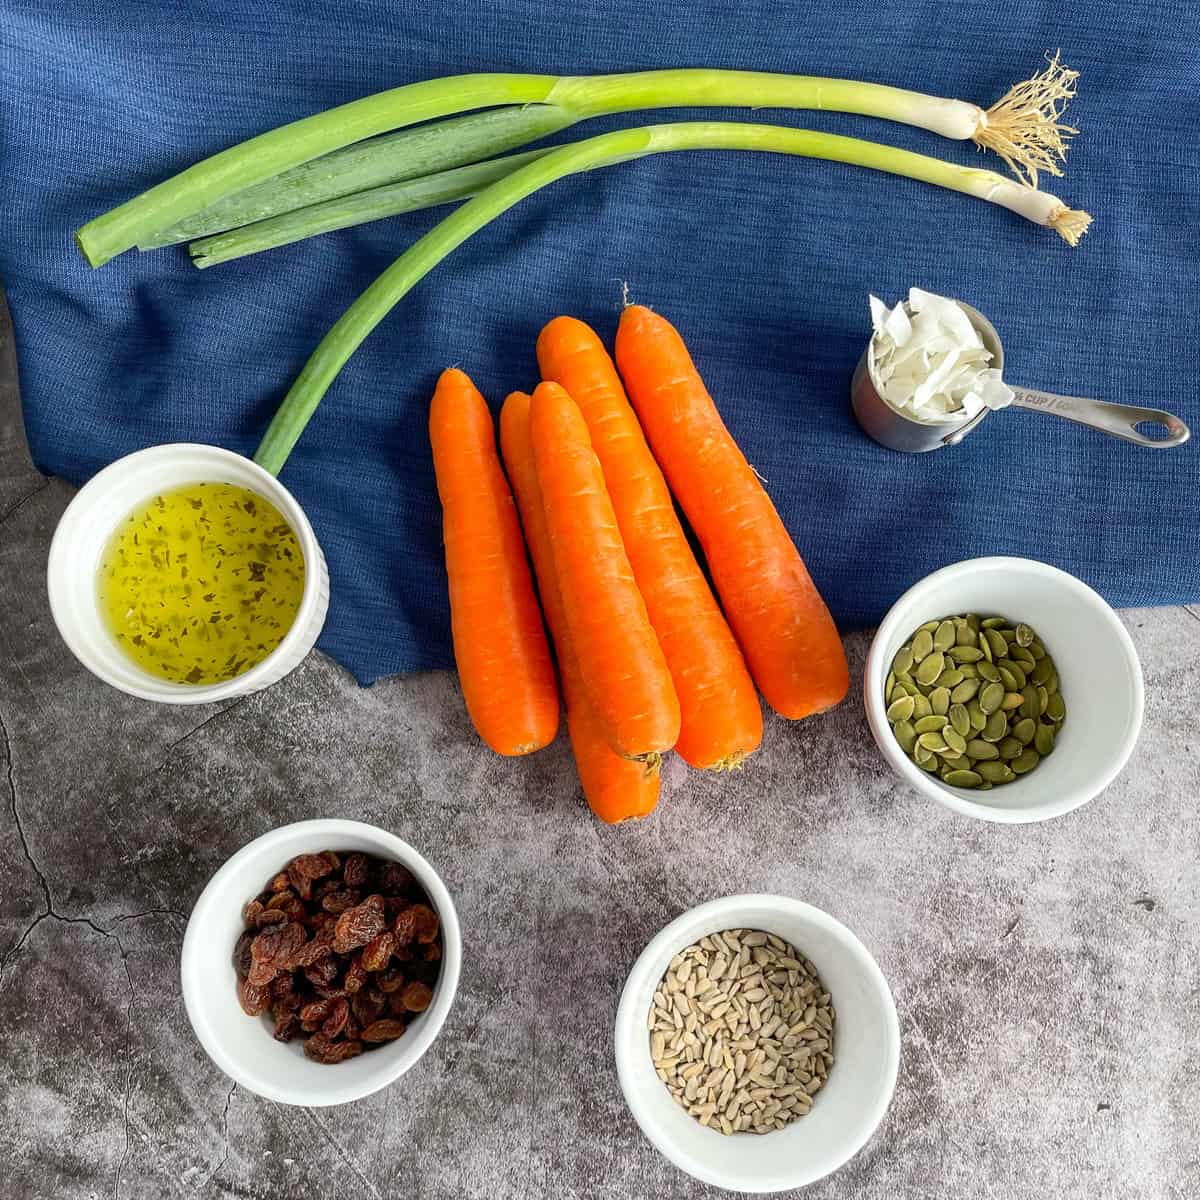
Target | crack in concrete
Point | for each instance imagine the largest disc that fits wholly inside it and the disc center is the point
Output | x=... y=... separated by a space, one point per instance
x=224 y=1135
x=12 y=510
x=1191 y=612
x=129 y=1073
x=191 y=733
x=355 y=1169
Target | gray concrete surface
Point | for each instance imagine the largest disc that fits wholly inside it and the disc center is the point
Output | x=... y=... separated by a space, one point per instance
x=1047 y=977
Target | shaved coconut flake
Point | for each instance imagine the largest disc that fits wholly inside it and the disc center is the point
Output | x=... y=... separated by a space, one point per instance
x=930 y=362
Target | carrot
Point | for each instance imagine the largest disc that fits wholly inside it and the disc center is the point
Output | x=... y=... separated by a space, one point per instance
x=720 y=714
x=786 y=633
x=620 y=660
x=615 y=788
x=499 y=643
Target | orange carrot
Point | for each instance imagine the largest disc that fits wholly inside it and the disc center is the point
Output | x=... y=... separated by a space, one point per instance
x=721 y=718
x=785 y=630
x=499 y=643
x=615 y=788
x=620 y=660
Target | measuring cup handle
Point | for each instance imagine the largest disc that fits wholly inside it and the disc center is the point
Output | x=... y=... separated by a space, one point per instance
x=1117 y=420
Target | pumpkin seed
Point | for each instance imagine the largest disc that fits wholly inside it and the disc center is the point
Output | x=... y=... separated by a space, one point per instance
x=1055 y=708
x=932 y=741
x=995 y=772
x=1043 y=740
x=928 y=627
x=1027 y=761
x=991 y=697
x=930 y=724
x=902 y=664
x=963 y=779
x=954 y=740
x=965 y=654
x=939 y=700
x=1024 y=635
x=1008 y=678
x=930 y=764
x=1043 y=700
x=922 y=645
x=921 y=706
x=1012 y=700
x=996 y=727
x=992 y=623
x=950 y=755
x=984 y=787
x=906 y=735
x=986 y=646
x=980 y=751
x=1030 y=702
x=1041 y=672
x=1015 y=669
x=1010 y=748
x=950 y=677
x=901 y=709
x=996 y=642
x=1024 y=730
x=959 y=719
x=964 y=635
x=967 y=690
x=1051 y=684
x=1020 y=655
x=930 y=667
x=977 y=715
x=1037 y=650
x=969 y=670
x=889 y=684
x=921 y=756
x=988 y=671
x=943 y=636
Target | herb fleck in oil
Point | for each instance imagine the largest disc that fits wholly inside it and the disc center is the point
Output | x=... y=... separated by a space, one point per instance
x=202 y=583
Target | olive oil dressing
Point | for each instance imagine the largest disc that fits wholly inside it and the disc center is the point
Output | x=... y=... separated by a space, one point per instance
x=201 y=583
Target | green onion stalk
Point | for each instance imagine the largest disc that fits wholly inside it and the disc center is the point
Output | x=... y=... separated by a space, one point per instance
x=357 y=322
x=1025 y=128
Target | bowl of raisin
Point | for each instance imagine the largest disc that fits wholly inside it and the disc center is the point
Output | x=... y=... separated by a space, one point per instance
x=320 y=962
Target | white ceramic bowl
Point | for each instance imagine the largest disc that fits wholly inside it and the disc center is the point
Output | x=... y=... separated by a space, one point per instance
x=242 y=1046
x=1099 y=675
x=848 y=1108
x=87 y=525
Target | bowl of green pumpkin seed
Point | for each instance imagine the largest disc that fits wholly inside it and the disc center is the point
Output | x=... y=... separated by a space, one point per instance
x=1005 y=689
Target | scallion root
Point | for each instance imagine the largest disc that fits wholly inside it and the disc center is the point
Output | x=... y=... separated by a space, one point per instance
x=1070 y=223
x=1025 y=127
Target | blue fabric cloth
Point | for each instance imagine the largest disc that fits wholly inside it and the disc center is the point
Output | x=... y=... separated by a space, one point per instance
x=763 y=262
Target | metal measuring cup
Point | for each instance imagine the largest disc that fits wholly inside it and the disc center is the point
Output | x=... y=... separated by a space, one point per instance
x=900 y=432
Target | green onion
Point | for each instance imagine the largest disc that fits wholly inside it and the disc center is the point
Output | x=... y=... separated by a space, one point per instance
x=442 y=188
x=1018 y=126
x=392 y=158
x=410 y=268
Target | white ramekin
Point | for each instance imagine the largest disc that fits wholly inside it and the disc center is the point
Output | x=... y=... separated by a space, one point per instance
x=1099 y=674
x=242 y=1046
x=87 y=525
x=848 y=1108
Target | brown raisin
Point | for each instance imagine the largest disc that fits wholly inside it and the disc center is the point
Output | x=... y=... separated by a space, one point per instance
x=391 y=980
x=368 y=1005
x=241 y=954
x=356 y=976
x=332 y=859
x=321 y=1049
x=335 y=1022
x=325 y=887
x=433 y=952
x=405 y=927
x=315 y=1012
x=251 y=911
x=385 y=1030
x=323 y=972
x=253 y=998
x=378 y=950
x=427 y=924
x=287 y=1019
x=416 y=997
x=394 y=879
x=355 y=870
x=341 y=900
x=289 y=904
x=283 y=985
x=318 y=947
x=280 y=883
x=305 y=869
x=358 y=925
